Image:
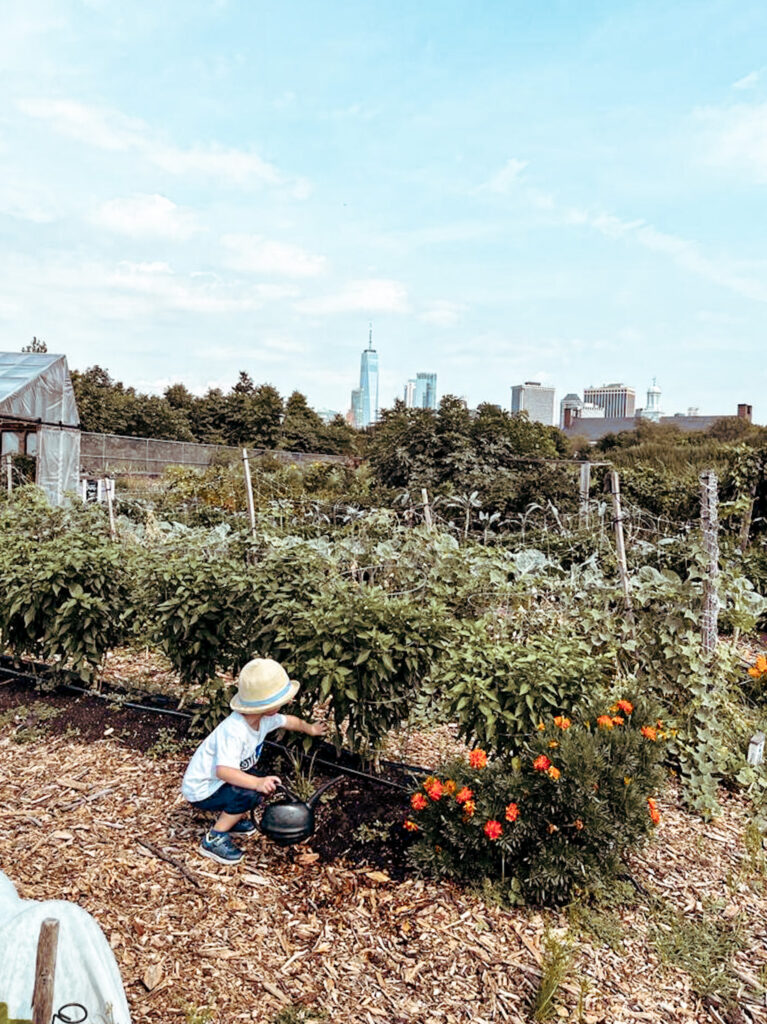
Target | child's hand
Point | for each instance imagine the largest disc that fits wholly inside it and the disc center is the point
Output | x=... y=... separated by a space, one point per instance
x=268 y=784
x=317 y=728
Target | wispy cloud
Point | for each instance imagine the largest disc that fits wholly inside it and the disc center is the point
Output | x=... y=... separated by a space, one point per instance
x=736 y=137
x=257 y=255
x=373 y=295
x=146 y=216
x=749 y=81
x=157 y=283
x=113 y=131
x=502 y=181
x=443 y=314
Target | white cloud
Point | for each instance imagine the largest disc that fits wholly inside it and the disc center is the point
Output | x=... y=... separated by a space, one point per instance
x=502 y=180
x=146 y=216
x=113 y=131
x=159 y=285
x=736 y=137
x=374 y=295
x=257 y=255
x=443 y=314
x=748 y=81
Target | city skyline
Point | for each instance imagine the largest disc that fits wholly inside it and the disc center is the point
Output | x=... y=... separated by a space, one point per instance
x=550 y=193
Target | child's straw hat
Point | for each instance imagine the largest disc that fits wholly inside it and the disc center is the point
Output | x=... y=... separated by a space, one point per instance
x=263 y=686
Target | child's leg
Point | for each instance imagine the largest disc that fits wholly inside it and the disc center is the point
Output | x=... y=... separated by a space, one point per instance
x=225 y=821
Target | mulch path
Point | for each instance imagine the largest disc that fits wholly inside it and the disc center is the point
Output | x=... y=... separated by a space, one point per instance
x=351 y=937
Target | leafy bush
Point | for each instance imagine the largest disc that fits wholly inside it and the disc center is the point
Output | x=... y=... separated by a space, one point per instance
x=552 y=820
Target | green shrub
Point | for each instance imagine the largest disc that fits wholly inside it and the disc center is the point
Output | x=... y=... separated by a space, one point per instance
x=550 y=821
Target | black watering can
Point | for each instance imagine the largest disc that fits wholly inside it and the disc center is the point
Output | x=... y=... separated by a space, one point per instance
x=291 y=821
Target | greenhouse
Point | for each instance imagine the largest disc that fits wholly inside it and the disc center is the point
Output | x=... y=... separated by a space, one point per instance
x=38 y=419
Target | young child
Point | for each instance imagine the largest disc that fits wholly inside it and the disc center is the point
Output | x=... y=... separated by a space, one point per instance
x=221 y=775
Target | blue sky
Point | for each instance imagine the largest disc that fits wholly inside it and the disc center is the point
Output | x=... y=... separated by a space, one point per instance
x=570 y=192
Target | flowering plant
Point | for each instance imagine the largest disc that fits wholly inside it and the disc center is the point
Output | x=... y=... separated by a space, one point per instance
x=538 y=828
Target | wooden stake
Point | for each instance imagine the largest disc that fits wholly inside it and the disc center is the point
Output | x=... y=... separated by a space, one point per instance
x=585 y=483
x=9 y=473
x=45 y=971
x=709 y=521
x=620 y=544
x=249 y=492
x=112 y=526
x=426 y=509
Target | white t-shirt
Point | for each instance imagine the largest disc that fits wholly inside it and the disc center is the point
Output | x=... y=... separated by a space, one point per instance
x=232 y=744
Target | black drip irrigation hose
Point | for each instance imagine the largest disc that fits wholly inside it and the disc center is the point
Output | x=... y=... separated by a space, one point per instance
x=351 y=772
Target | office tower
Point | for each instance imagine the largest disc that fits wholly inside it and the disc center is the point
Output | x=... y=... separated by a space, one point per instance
x=409 y=395
x=534 y=399
x=426 y=390
x=617 y=400
x=365 y=398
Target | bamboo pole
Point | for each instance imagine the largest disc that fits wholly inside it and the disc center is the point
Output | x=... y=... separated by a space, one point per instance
x=620 y=544
x=45 y=971
x=112 y=525
x=585 y=484
x=9 y=474
x=249 y=492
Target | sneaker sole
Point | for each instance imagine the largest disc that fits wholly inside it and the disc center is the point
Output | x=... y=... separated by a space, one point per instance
x=215 y=857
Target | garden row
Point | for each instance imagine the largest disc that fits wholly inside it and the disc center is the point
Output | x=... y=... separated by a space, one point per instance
x=387 y=624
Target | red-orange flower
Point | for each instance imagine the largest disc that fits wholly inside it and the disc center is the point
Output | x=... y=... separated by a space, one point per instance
x=435 y=790
x=605 y=722
x=649 y=732
x=625 y=706
x=617 y=720
x=653 y=811
x=463 y=795
x=578 y=824
x=418 y=801
x=553 y=773
x=512 y=812
x=541 y=763
x=411 y=826
x=760 y=668
x=449 y=787
x=493 y=829
x=469 y=808
x=478 y=759
x=561 y=722
x=540 y=727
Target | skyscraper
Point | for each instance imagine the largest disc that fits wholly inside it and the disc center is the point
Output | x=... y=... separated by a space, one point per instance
x=617 y=400
x=534 y=399
x=365 y=398
x=425 y=391
x=409 y=394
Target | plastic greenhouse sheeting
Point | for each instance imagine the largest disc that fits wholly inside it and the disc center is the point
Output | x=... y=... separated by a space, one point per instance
x=86 y=970
x=35 y=387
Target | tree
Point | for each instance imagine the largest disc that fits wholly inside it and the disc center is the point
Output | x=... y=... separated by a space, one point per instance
x=35 y=345
x=302 y=428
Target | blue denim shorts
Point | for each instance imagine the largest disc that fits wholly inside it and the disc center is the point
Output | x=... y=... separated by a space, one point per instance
x=230 y=799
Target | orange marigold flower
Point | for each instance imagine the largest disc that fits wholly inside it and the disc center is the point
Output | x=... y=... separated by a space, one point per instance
x=493 y=829
x=541 y=727
x=553 y=773
x=418 y=801
x=605 y=722
x=553 y=744
x=463 y=795
x=541 y=763
x=411 y=826
x=617 y=720
x=429 y=781
x=435 y=790
x=653 y=811
x=561 y=722
x=477 y=759
x=649 y=732
x=578 y=824
x=625 y=706
x=512 y=812
x=552 y=829
x=449 y=787
x=469 y=808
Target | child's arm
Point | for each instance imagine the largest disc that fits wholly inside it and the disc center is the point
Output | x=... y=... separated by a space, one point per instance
x=310 y=728
x=265 y=784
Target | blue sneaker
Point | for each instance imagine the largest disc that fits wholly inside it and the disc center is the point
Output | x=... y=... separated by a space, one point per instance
x=218 y=846
x=244 y=827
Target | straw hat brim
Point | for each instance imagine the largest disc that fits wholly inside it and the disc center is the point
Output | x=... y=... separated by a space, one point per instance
x=264 y=709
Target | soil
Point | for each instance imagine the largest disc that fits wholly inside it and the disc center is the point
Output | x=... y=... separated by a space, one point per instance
x=358 y=820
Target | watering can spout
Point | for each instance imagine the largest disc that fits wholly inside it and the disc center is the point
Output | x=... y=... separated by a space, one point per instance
x=312 y=801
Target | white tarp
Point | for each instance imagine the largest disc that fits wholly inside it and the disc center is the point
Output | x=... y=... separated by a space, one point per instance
x=35 y=387
x=86 y=971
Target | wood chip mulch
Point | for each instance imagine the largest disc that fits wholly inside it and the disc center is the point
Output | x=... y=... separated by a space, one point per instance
x=284 y=929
